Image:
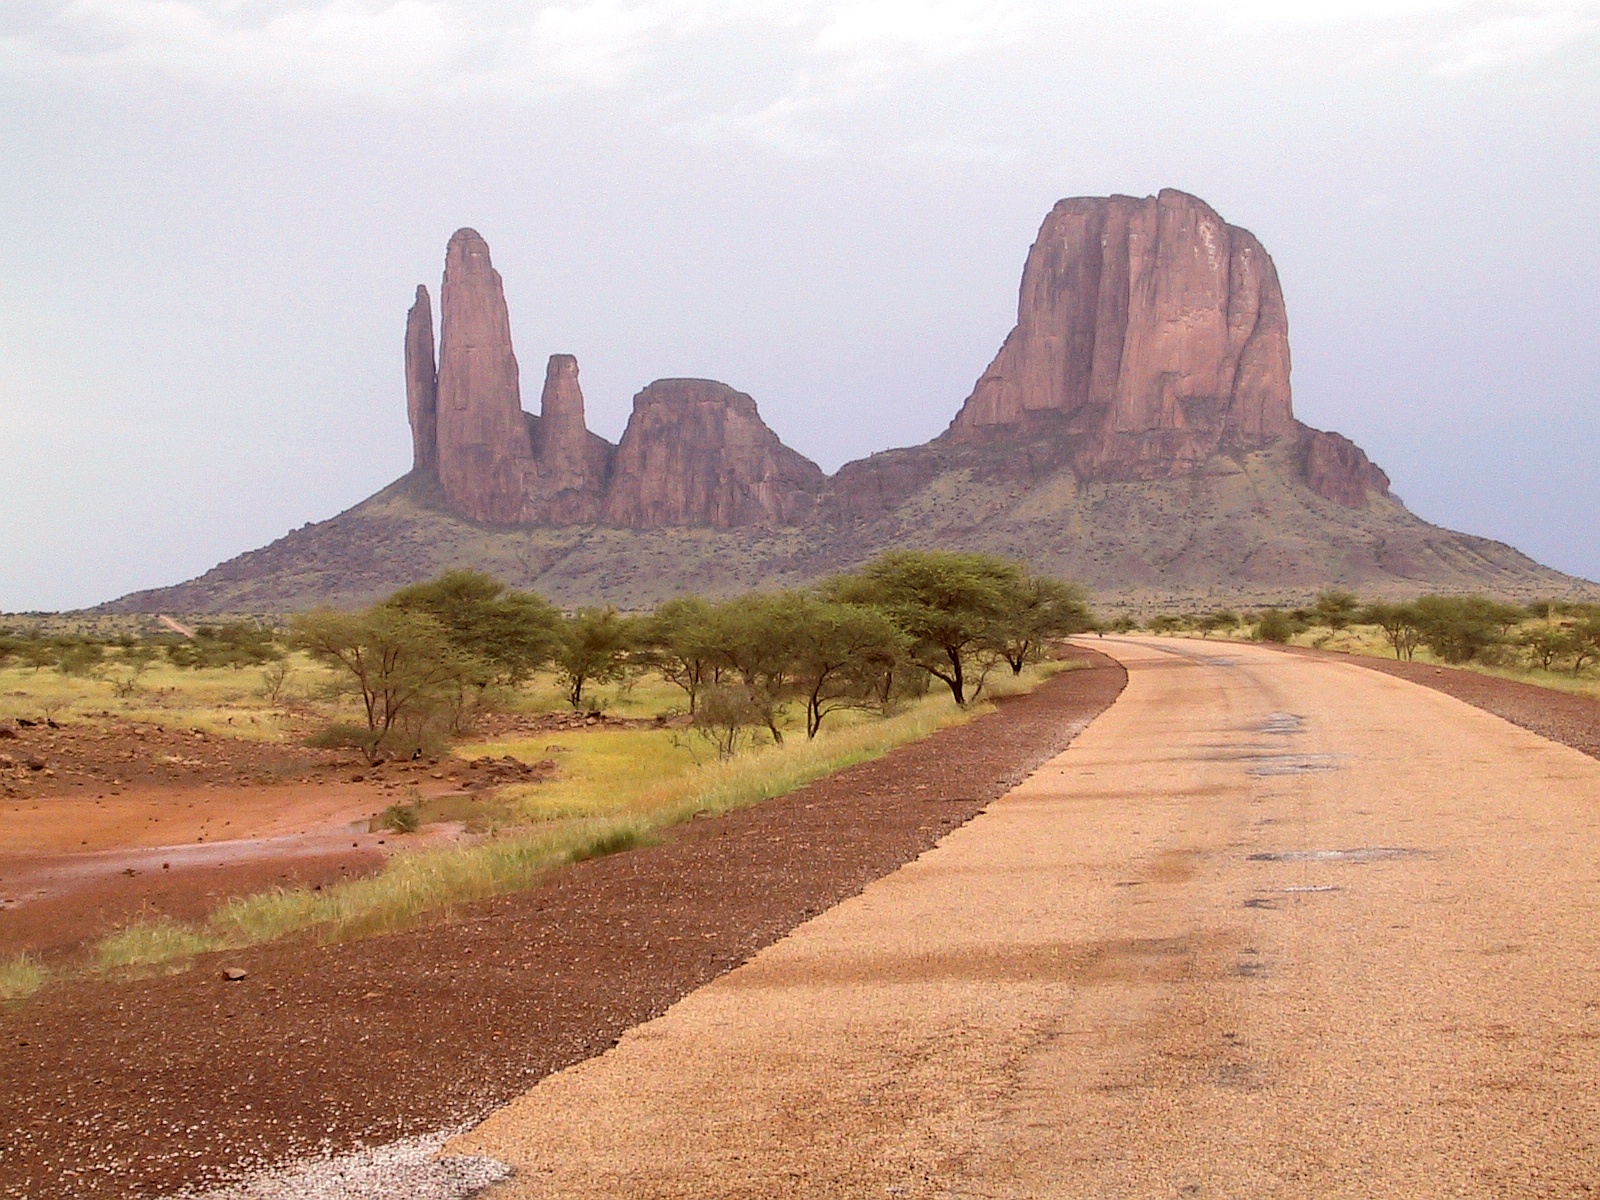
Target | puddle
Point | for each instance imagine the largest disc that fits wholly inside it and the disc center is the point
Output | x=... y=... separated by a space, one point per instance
x=1361 y=854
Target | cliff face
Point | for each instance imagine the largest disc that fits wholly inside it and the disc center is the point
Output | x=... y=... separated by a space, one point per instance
x=696 y=452
x=1150 y=331
x=485 y=457
x=1336 y=468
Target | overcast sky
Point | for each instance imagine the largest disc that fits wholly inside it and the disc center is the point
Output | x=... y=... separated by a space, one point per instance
x=213 y=214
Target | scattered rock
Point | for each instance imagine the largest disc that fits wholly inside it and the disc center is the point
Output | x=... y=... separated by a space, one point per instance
x=234 y=974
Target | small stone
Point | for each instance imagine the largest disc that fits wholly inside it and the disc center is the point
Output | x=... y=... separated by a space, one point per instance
x=234 y=974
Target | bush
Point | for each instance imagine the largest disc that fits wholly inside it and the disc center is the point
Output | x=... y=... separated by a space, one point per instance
x=1459 y=629
x=1275 y=625
x=401 y=818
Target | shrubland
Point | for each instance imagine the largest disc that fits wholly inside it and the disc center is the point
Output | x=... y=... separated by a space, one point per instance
x=695 y=707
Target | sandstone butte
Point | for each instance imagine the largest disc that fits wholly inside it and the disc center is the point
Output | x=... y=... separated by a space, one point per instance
x=1151 y=336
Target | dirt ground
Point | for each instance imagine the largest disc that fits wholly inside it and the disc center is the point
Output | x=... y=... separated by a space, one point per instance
x=104 y=822
x=138 y=1087
x=1270 y=927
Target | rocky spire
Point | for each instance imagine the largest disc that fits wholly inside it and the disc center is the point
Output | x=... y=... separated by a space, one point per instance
x=1151 y=326
x=571 y=465
x=422 y=385
x=486 y=466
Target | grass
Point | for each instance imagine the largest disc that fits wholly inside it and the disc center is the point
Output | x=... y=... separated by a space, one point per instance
x=219 y=700
x=20 y=977
x=619 y=789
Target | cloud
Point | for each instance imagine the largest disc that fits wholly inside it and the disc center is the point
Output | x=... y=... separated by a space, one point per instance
x=1447 y=37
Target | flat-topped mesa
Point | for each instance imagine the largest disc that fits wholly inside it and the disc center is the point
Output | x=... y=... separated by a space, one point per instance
x=696 y=452
x=573 y=463
x=486 y=467
x=422 y=385
x=1151 y=328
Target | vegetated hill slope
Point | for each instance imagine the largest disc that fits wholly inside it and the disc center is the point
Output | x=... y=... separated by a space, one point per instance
x=1245 y=531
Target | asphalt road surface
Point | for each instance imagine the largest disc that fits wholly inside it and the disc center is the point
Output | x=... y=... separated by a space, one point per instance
x=1271 y=927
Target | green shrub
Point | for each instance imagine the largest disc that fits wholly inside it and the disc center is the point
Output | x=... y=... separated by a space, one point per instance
x=1275 y=625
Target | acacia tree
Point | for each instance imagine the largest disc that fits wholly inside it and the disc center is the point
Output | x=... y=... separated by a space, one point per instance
x=1459 y=629
x=679 y=639
x=400 y=662
x=594 y=649
x=1400 y=623
x=949 y=606
x=513 y=633
x=1336 y=608
x=1039 y=610
x=840 y=654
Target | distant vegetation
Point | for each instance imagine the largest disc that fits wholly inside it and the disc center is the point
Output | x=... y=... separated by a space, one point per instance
x=1550 y=641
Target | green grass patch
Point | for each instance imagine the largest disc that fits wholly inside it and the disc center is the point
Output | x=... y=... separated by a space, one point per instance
x=21 y=975
x=154 y=943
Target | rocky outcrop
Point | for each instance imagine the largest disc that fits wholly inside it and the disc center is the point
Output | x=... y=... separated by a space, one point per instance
x=486 y=467
x=422 y=385
x=573 y=464
x=696 y=452
x=1336 y=468
x=1150 y=332
x=1151 y=338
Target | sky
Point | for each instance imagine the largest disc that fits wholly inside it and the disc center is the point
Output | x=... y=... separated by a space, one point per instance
x=213 y=214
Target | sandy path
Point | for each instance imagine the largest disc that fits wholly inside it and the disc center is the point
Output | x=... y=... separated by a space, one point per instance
x=1271 y=927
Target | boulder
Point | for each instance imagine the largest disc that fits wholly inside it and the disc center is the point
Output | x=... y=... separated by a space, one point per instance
x=485 y=455
x=696 y=452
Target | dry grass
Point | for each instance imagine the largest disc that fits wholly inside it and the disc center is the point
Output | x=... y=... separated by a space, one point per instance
x=20 y=977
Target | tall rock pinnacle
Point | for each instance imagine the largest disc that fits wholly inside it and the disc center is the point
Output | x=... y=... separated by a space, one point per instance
x=1153 y=327
x=486 y=466
x=422 y=385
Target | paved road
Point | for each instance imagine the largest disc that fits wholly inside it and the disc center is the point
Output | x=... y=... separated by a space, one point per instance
x=1272 y=927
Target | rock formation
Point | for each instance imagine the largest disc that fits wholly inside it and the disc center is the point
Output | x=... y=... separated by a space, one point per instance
x=1150 y=327
x=696 y=452
x=573 y=463
x=422 y=385
x=1135 y=433
x=485 y=460
x=1339 y=470
x=1151 y=337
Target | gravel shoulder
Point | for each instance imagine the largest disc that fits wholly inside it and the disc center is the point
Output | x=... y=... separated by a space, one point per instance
x=145 y=1087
